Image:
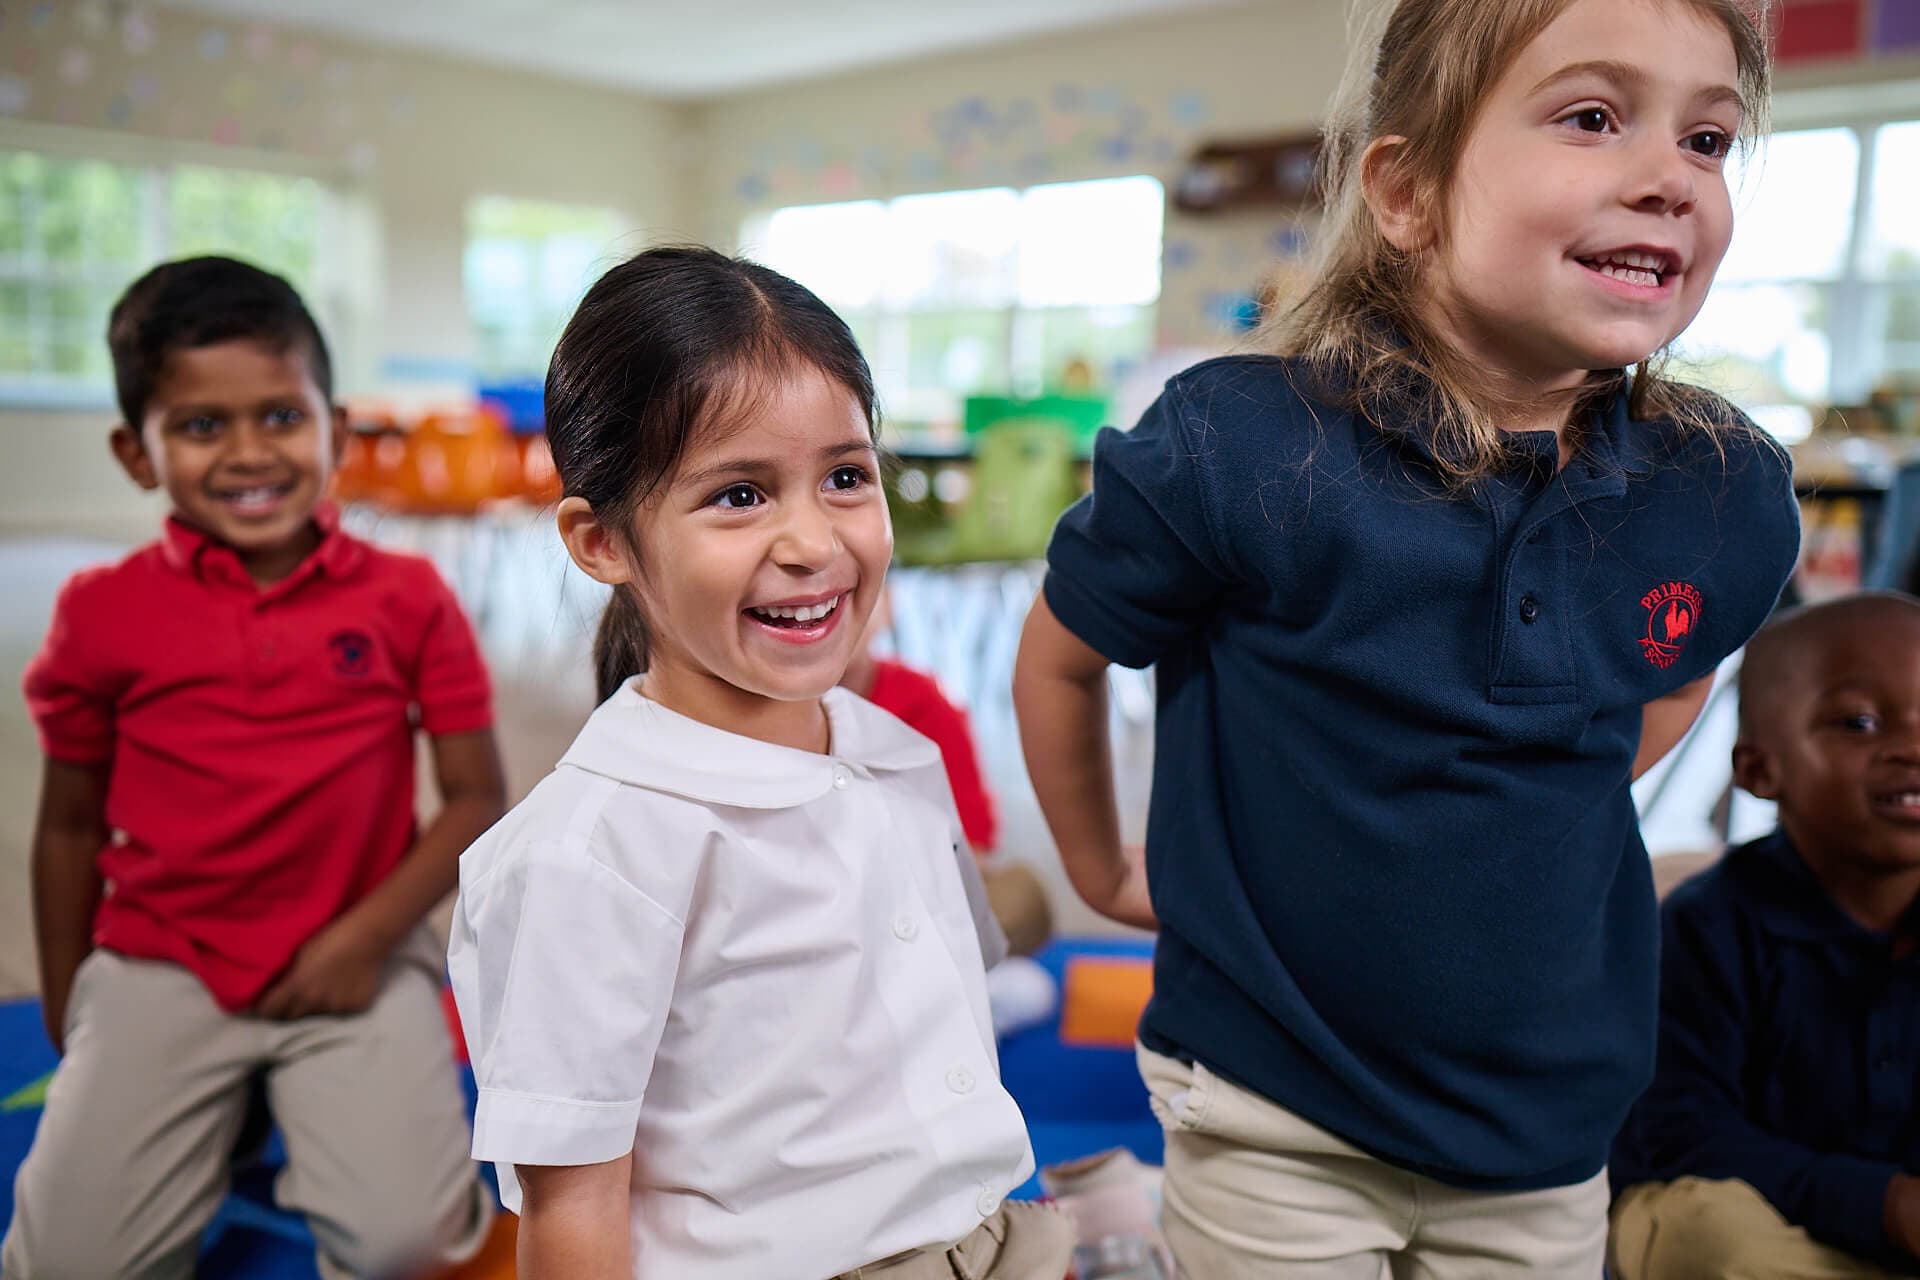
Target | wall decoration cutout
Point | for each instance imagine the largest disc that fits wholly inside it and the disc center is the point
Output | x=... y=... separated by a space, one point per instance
x=213 y=44
x=76 y=65
x=136 y=32
x=16 y=95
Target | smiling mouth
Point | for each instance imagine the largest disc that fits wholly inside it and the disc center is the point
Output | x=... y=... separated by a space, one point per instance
x=1646 y=270
x=1902 y=804
x=796 y=617
x=253 y=498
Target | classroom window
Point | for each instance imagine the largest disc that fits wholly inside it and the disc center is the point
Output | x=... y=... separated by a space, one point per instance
x=527 y=264
x=1818 y=301
x=75 y=231
x=981 y=292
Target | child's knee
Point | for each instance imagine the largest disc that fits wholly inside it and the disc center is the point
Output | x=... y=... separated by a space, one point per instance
x=406 y=1234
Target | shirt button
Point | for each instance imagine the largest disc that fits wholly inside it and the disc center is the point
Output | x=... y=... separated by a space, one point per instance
x=1535 y=535
x=1529 y=609
x=960 y=1080
x=905 y=927
x=987 y=1204
x=841 y=778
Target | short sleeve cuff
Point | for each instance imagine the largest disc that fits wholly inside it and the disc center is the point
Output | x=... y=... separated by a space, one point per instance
x=1080 y=612
x=457 y=715
x=519 y=1128
x=76 y=748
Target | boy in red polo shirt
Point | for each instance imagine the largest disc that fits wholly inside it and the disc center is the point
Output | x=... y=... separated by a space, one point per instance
x=228 y=882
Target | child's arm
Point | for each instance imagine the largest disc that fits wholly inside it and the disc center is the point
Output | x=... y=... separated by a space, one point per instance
x=338 y=970
x=1060 y=699
x=576 y=1221
x=68 y=834
x=1665 y=721
x=1903 y=1213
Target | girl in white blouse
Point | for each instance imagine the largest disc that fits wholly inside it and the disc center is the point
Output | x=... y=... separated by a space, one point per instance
x=721 y=973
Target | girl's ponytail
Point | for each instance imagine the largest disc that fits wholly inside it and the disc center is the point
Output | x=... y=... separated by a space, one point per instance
x=620 y=644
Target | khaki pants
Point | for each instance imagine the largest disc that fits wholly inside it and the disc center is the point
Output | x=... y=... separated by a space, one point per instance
x=1253 y=1191
x=130 y=1161
x=1021 y=1242
x=1694 y=1229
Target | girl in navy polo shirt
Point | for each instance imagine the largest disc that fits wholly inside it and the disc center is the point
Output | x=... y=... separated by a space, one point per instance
x=1425 y=589
x=722 y=971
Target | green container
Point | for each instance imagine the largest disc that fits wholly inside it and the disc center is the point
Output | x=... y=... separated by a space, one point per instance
x=1083 y=415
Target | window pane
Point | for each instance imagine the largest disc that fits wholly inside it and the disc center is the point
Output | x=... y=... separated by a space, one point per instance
x=833 y=249
x=1793 y=207
x=961 y=352
x=1110 y=341
x=1761 y=344
x=264 y=218
x=526 y=265
x=954 y=249
x=1899 y=336
x=1091 y=243
x=1893 y=247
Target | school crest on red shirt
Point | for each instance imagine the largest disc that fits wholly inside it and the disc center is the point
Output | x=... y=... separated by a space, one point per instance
x=352 y=652
x=1673 y=613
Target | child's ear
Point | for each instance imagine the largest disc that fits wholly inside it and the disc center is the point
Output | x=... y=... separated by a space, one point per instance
x=593 y=545
x=131 y=453
x=1753 y=771
x=1397 y=204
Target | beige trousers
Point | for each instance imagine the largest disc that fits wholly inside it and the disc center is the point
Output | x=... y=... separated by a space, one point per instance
x=1695 y=1229
x=130 y=1161
x=1252 y=1191
x=1022 y=1241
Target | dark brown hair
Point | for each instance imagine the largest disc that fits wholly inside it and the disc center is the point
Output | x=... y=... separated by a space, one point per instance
x=660 y=349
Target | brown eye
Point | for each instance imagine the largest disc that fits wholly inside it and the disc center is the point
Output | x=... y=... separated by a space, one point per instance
x=1710 y=143
x=736 y=497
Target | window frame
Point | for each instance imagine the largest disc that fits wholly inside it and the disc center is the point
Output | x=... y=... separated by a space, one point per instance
x=340 y=293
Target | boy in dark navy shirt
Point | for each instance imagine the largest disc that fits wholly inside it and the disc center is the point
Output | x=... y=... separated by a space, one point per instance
x=1781 y=1136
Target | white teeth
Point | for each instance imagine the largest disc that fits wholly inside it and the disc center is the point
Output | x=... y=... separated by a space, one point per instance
x=1632 y=275
x=804 y=613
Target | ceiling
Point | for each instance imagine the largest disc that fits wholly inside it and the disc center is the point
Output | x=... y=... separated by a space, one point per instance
x=682 y=49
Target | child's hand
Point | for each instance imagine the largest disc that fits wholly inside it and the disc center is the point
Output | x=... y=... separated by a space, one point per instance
x=1903 y=1213
x=337 y=972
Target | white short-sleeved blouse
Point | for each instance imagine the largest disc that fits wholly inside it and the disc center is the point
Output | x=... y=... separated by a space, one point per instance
x=761 y=971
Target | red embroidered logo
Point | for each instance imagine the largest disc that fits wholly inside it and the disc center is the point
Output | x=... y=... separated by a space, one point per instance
x=1673 y=611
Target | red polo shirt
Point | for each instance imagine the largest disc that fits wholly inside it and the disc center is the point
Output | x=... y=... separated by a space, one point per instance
x=261 y=741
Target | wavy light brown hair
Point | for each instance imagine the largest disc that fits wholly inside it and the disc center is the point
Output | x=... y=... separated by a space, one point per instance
x=1358 y=326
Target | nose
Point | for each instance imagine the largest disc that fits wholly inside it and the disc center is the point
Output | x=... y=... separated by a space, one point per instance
x=247 y=444
x=1662 y=179
x=806 y=539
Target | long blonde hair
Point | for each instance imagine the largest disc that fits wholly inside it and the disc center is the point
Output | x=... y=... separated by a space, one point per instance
x=1358 y=325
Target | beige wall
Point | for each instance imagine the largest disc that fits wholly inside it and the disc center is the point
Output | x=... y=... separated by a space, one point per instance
x=413 y=137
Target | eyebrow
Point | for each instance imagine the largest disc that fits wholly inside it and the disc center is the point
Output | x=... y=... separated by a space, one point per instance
x=760 y=466
x=1632 y=77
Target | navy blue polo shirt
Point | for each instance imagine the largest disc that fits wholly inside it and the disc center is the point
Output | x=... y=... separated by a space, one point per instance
x=1789 y=1050
x=1390 y=840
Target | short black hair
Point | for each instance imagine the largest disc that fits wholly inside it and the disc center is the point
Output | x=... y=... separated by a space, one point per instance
x=198 y=302
x=1773 y=655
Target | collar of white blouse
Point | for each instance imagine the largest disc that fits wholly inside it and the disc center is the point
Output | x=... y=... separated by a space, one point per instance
x=639 y=742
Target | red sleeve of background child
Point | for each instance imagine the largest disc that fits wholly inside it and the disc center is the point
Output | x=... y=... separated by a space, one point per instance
x=450 y=682
x=916 y=698
x=67 y=692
